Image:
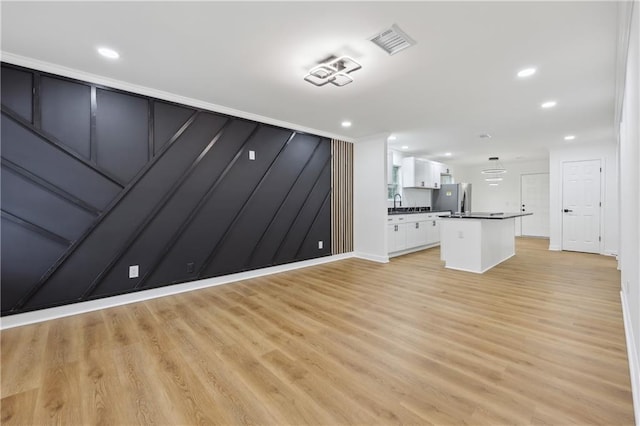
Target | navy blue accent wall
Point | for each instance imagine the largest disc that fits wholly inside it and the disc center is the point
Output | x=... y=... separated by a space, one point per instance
x=95 y=180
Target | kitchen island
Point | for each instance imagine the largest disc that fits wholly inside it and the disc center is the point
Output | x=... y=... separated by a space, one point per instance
x=476 y=242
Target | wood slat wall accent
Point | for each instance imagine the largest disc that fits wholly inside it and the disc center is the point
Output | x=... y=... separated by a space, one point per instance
x=341 y=197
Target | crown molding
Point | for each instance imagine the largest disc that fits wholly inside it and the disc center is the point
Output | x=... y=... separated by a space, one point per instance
x=625 y=15
x=43 y=66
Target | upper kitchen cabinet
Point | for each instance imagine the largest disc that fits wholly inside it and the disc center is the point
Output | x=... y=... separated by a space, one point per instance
x=416 y=173
x=422 y=173
x=437 y=170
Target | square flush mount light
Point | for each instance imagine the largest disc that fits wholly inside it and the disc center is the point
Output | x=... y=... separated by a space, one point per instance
x=333 y=70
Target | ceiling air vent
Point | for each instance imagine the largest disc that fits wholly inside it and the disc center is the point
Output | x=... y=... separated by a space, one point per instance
x=392 y=40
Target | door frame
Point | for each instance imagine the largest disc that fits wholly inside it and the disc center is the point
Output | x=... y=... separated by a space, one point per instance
x=520 y=205
x=603 y=171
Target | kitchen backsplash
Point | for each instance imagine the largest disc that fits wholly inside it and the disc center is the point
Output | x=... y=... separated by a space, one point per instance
x=414 y=197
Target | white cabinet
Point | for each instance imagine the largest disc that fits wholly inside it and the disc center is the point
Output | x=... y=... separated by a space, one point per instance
x=397 y=234
x=416 y=172
x=417 y=233
x=422 y=173
x=437 y=170
x=412 y=231
x=433 y=231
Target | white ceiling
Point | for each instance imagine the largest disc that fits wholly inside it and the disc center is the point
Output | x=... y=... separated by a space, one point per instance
x=458 y=81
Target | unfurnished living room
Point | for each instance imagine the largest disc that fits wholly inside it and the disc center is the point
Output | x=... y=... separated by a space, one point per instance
x=320 y=212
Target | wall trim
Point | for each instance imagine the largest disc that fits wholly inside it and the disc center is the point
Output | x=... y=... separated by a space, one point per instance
x=39 y=65
x=634 y=362
x=554 y=248
x=625 y=14
x=125 y=299
x=371 y=257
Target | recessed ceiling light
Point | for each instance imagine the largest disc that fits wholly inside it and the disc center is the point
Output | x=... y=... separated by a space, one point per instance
x=549 y=104
x=405 y=147
x=527 y=72
x=447 y=154
x=346 y=124
x=108 y=53
x=392 y=138
x=493 y=184
x=569 y=137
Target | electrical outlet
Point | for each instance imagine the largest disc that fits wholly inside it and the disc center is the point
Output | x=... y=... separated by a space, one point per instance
x=320 y=244
x=134 y=271
x=191 y=267
x=252 y=155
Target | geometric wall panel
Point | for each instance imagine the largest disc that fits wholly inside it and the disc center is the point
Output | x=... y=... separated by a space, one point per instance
x=130 y=180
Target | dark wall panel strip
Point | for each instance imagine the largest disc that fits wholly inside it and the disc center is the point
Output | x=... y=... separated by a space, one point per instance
x=34 y=228
x=33 y=153
x=66 y=113
x=26 y=174
x=17 y=92
x=122 y=133
x=318 y=230
x=167 y=120
x=26 y=255
x=288 y=249
x=25 y=200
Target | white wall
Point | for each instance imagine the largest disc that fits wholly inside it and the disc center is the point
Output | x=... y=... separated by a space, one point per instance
x=416 y=197
x=502 y=198
x=370 y=198
x=629 y=160
x=606 y=153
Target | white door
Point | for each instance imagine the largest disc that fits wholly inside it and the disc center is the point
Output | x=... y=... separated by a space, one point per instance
x=581 y=206
x=534 y=190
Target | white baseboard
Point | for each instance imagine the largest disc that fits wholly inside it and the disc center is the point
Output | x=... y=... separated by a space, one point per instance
x=108 y=302
x=632 y=354
x=413 y=250
x=372 y=257
x=555 y=248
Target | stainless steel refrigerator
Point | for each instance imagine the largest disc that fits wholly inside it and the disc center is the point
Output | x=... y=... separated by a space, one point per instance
x=453 y=197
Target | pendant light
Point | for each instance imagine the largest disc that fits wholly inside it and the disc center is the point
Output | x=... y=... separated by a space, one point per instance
x=494 y=170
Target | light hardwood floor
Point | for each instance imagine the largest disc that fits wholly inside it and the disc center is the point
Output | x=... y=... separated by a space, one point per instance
x=537 y=340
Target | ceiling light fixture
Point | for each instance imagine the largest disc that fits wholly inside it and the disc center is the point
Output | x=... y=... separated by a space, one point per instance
x=447 y=154
x=392 y=138
x=333 y=70
x=108 y=53
x=346 y=124
x=494 y=170
x=527 y=72
x=493 y=184
x=549 y=104
x=569 y=137
x=405 y=147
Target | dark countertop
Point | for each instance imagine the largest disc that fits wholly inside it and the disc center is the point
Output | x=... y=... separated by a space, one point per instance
x=486 y=215
x=408 y=210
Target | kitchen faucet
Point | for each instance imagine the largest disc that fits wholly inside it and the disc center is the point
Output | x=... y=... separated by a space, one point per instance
x=394 y=200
